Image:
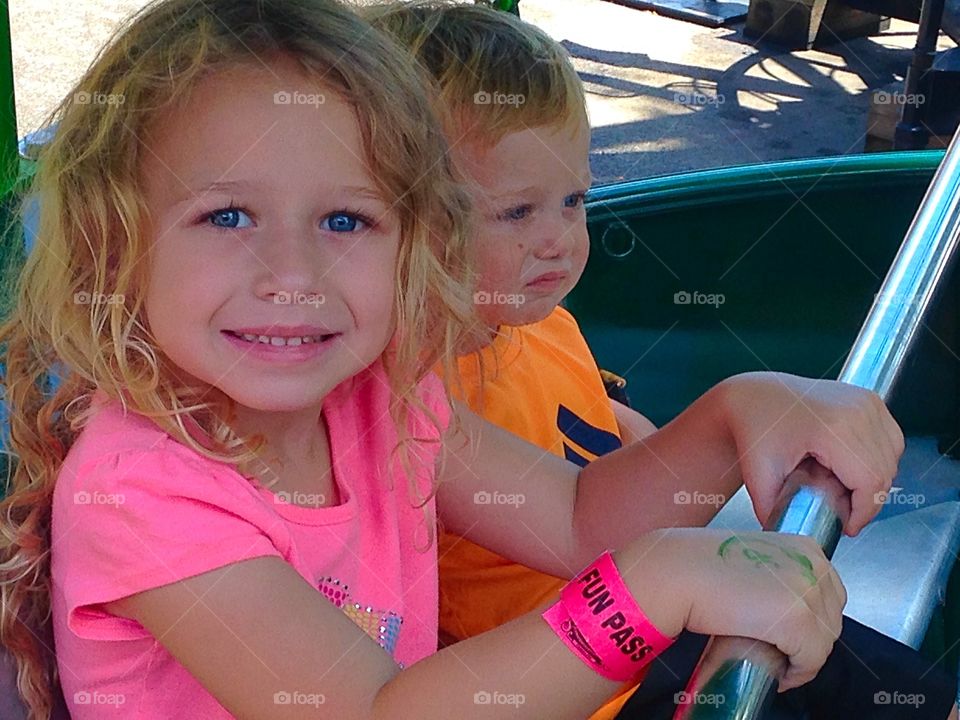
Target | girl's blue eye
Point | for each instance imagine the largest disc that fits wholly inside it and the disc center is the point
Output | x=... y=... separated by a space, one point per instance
x=230 y=218
x=573 y=200
x=344 y=222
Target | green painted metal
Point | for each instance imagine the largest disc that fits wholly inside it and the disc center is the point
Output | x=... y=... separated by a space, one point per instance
x=794 y=250
x=9 y=164
x=797 y=250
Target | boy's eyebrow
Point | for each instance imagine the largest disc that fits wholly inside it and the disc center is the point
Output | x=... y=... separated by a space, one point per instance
x=514 y=193
x=586 y=181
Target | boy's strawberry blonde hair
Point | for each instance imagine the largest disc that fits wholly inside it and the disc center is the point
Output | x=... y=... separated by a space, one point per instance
x=493 y=73
x=91 y=241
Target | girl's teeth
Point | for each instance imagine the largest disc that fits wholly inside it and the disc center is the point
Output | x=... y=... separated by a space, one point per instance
x=279 y=341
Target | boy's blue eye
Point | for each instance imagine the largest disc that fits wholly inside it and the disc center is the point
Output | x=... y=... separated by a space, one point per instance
x=517 y=213
x=342 y=222
x=229 y=218
x=573 y=200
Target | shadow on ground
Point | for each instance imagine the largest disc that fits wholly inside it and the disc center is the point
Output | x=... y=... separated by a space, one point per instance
x=748 y=112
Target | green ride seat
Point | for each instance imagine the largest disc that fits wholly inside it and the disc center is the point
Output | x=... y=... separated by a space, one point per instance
x=698 y=276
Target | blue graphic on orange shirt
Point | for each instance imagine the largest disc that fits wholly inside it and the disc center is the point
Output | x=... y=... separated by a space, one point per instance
x=381 y=625
x=590 y=438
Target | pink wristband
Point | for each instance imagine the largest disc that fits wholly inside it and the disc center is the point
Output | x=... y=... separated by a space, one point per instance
x=598 y=619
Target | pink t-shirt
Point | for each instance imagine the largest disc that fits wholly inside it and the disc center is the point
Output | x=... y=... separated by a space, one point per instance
x=134 y=509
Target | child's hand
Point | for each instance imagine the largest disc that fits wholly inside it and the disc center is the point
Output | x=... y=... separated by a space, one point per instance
x=772 y=587
x=777 y=420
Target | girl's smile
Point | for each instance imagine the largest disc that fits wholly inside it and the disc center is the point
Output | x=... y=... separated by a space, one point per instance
x=282 y=345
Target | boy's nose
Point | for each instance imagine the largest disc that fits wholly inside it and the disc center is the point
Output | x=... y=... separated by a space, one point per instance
x=554 y=245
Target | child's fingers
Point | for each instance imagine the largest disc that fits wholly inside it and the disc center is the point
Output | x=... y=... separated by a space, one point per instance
x=865 y=503
x=804 y=664
x=834 y=598
x=866 y=467
x=806 y=647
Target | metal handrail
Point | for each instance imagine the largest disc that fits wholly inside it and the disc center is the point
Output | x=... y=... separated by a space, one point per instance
x=741 y=671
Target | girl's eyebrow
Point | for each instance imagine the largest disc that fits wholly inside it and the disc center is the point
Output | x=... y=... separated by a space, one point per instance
x=231 y=186
x=365 y=191
x=192 y=193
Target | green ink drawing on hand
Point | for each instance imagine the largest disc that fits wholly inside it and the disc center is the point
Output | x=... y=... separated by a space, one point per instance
x=725 y=544
x=804 y=562
x=761 y=558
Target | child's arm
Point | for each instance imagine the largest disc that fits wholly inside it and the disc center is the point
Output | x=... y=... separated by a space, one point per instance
x=255 y=632
x=632 y=425
x=753 y=428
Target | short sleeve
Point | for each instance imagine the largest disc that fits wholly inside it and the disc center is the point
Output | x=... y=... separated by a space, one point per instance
x=133 y=521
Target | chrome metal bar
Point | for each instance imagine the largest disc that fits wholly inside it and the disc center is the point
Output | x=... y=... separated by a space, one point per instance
x=735 y=677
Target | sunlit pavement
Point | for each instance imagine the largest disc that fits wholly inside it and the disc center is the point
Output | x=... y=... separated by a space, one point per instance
x=664 y=95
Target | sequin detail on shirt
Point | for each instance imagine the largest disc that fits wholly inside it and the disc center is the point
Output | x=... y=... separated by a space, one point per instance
x=382 y=625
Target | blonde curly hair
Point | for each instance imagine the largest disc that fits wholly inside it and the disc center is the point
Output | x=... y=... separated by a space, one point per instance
x=91 y=240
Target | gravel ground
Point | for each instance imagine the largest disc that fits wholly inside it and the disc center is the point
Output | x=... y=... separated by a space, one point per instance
x=664 y=95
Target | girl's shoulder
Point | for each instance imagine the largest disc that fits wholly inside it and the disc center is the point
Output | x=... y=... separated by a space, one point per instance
x=119 y=450
x=112 y=429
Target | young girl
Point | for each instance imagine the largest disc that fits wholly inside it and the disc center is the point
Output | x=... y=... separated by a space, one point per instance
x=247 y=266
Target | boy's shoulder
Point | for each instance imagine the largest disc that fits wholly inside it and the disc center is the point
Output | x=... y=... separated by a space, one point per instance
x=560 y=320
x=560 y=331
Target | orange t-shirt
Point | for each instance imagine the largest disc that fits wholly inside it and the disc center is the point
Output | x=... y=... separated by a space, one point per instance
x=541 y=383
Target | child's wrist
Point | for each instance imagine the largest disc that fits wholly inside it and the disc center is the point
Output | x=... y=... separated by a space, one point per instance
x=600 y=619
x=723 y=410
x=649 y=573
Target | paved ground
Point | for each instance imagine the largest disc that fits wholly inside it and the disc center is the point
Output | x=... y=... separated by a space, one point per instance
x=664 y=95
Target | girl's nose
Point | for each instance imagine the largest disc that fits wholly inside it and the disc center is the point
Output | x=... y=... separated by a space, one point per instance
x=288 y=264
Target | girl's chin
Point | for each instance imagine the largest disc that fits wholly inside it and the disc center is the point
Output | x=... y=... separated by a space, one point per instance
x=288 y=397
